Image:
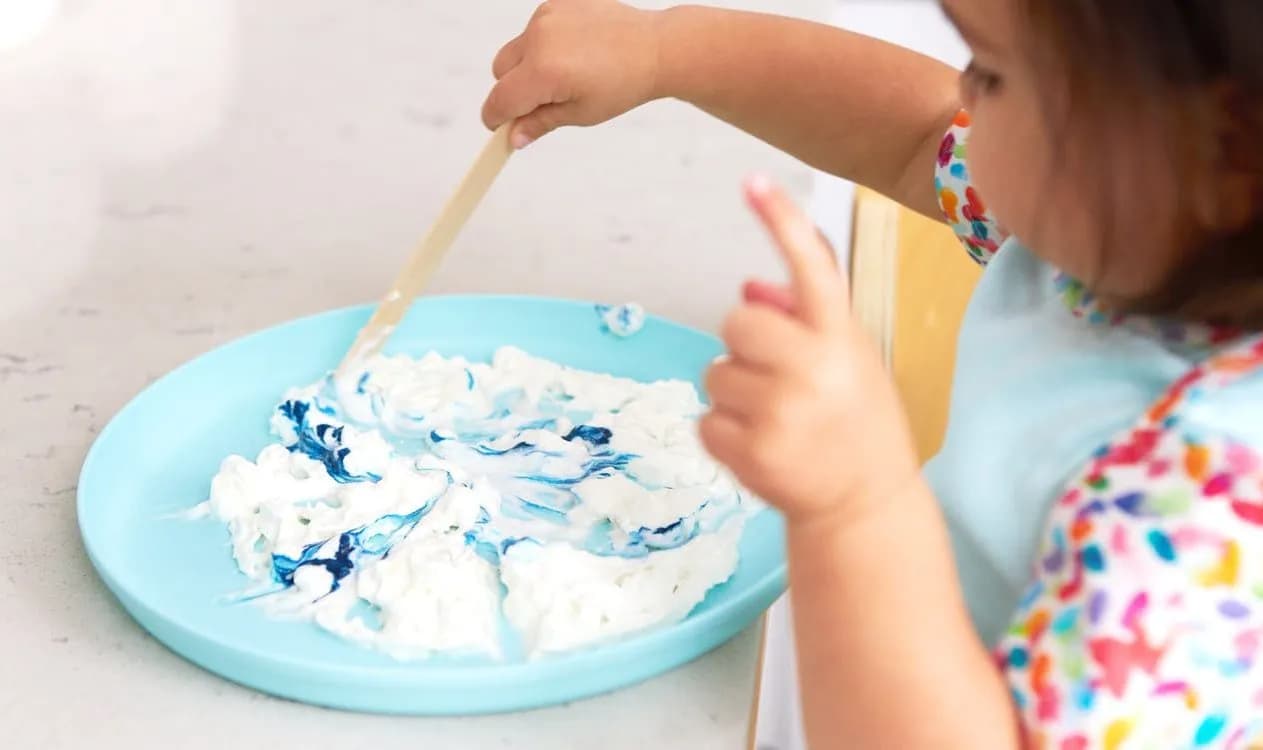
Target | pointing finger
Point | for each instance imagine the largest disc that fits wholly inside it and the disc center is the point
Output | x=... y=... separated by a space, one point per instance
x=819 y=290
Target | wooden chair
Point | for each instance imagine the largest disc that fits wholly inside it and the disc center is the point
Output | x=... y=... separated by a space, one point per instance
x=910 y=282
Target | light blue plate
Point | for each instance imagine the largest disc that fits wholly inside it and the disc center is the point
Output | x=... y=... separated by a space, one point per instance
x=157 y=455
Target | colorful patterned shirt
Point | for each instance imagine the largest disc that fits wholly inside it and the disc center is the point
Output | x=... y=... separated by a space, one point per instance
x=1114 y=553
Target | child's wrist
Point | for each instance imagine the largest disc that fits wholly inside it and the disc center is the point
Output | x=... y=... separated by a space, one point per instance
x=861 y=507
x=673 y=29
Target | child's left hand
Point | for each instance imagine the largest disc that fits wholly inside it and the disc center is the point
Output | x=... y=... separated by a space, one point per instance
x=802 y=410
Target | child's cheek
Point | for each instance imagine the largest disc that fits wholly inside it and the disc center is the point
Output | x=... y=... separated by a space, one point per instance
x=1028 y=191
x=998 y=171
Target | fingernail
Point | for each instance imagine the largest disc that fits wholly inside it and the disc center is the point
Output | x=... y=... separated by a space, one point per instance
x=520 y=140
x=759 y=184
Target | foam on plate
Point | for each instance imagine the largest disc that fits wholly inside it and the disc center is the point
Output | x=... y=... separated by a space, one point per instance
x=418 y=505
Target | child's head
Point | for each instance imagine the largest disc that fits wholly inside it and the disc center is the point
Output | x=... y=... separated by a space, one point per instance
x=1123 y=141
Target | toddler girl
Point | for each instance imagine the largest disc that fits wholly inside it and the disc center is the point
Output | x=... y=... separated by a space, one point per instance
x=1082 y=564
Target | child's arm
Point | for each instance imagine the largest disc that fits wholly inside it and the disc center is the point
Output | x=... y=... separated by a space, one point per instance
x=848 y=104
x=805 y=415
x=887 y=656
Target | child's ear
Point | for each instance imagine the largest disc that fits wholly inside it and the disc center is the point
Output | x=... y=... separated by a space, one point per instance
x=1231 y=191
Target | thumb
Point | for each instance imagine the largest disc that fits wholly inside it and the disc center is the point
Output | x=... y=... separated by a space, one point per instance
x=539 y=123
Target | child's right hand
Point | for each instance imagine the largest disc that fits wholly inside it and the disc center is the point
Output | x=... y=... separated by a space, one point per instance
x=579 y=62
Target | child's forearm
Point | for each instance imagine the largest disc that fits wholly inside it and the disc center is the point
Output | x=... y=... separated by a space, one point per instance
x=844 y=103
x=886 y=653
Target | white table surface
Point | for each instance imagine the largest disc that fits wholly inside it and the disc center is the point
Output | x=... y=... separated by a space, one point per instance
x=173 y=175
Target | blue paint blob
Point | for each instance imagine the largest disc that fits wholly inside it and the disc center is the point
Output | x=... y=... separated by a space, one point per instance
x=590 y=434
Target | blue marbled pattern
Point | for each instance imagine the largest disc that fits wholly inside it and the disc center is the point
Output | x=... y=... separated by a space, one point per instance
x=533 y=452
x=321 y=441
x=372 y=540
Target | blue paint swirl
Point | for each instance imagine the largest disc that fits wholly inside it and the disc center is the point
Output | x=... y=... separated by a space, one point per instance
x=322 y=442
x=374 y=540
x=607 y=541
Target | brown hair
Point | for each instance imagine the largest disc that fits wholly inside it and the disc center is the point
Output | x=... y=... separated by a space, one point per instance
x=1146 y=55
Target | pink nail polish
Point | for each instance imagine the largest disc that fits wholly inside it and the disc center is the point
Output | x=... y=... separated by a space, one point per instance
x=759 y=184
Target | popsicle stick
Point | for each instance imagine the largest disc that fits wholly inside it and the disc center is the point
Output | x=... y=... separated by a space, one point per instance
x=423 y=263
